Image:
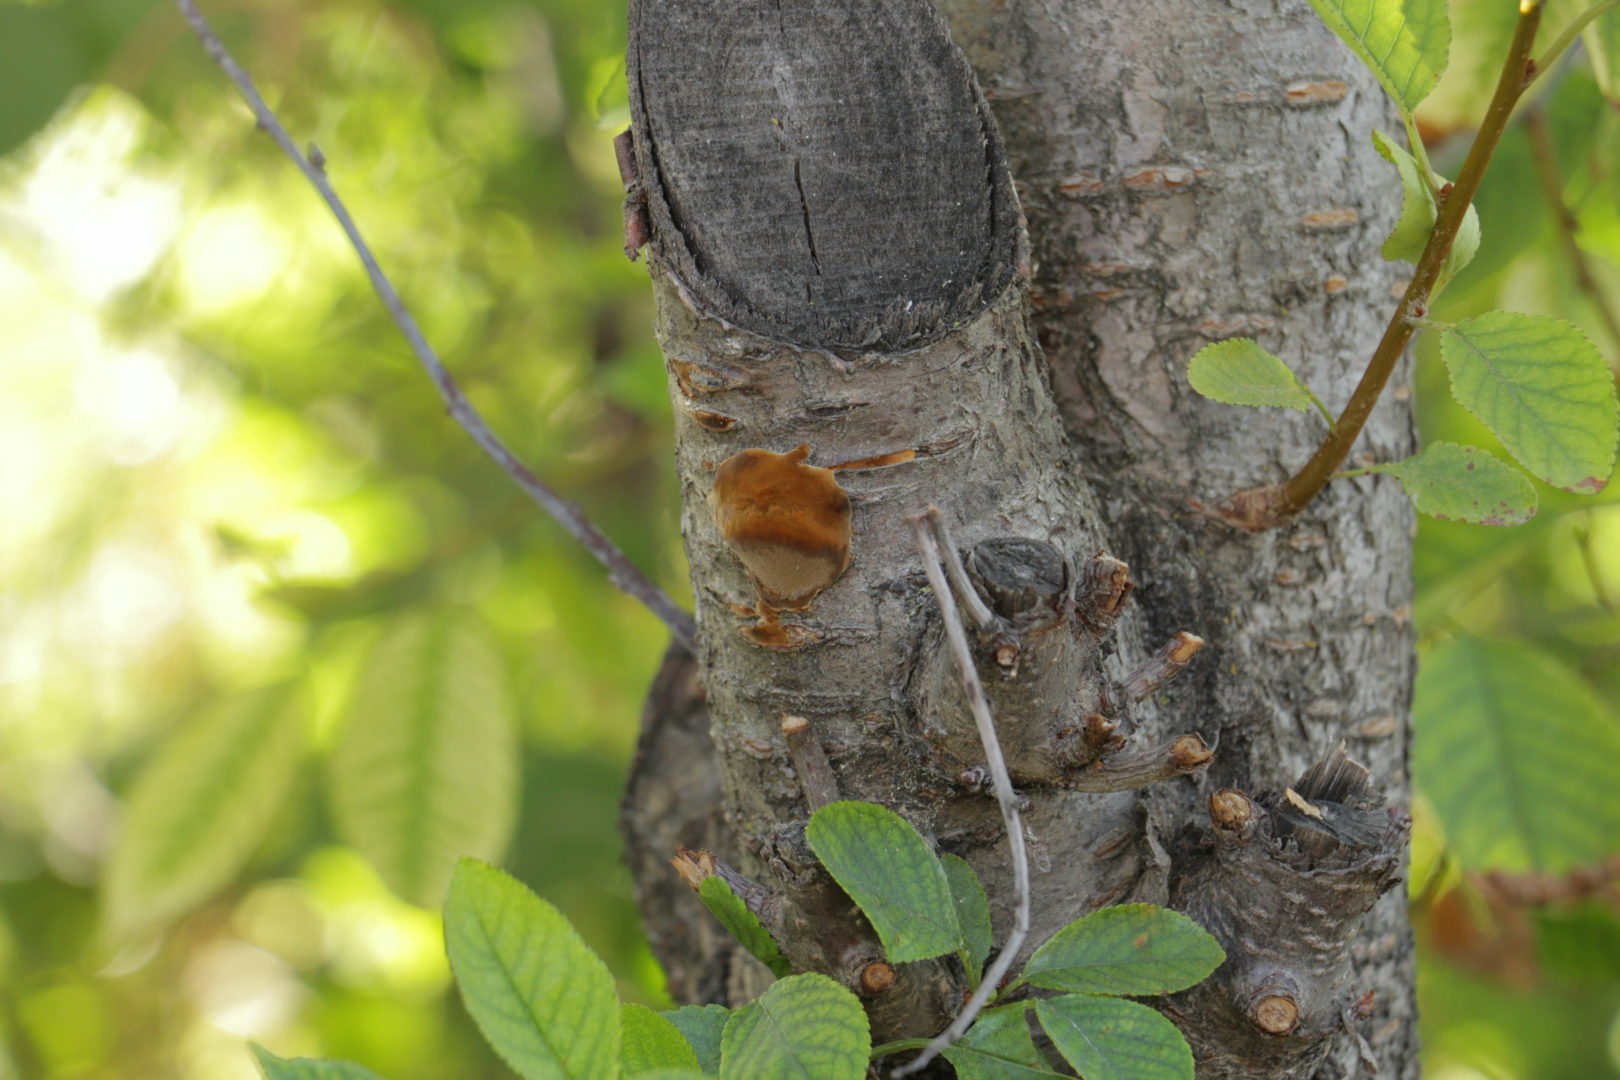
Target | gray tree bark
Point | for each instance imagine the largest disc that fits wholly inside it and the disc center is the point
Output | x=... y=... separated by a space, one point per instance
x=839 y=263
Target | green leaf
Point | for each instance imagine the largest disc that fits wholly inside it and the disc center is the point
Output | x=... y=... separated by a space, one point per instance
x=1464 y=483
x=972 y=912
x=47 y=51
x=803 y=1026
x=742 y=924
x=543 y=1000
x=1418 y=214
x=1109 y=1039
x=892 y=873
x=1402 y=42
x=1517 y=755
x=998 y=1047
x=1240 y=372
x=200 y=807
x=702 y=1025
x=426 y=769
x=1602 y=39
x=275 y=1068
x=1543 y=389
x=1130 y=949
x=651 y=1043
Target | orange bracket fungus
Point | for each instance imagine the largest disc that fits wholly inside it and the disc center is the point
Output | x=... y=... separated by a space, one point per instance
x=789 y=523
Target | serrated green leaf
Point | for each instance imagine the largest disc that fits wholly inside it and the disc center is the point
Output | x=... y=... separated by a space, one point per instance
x=999 y=1047
x=425 y=770
x=543 y=1000
x=1418 y=214
x=742 y=924
x=1129 y=949
x=197 y=811
x=1543 y=389
x=1110 y=1039
x=1464 y=483
x=702 y=1026
x=1517 y=755
x=649 y=1043
x=892 y=874
x=803 y=1026
x=1240 y=372
x=275 y=1068
x=1602 y=39
x=972 y=913
x=1402 y=42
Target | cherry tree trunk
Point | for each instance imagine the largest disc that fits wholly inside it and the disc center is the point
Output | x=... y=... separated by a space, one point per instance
x=835 y=224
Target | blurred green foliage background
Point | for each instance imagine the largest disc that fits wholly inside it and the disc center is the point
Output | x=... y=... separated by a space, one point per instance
x=221 y=475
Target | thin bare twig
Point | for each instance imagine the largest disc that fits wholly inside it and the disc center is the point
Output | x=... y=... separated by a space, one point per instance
x=927 y=527
x=621 y=571
x=1564 y=223
x=1594 y=573
x=983 y=618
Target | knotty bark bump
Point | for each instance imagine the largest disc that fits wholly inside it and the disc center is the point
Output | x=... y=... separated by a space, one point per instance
x=1194 y=171
x=1284 y=884
x=830 y=278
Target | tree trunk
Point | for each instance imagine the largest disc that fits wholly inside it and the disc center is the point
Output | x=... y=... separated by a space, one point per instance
x=838 y=263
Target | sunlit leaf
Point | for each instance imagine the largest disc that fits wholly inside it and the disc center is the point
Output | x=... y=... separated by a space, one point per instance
x=425 y=770
x=275 y=1068
x=1517 y=755
x=1109 y=1039
x=999 y=1047
x=543 y=1000
x=199 y=808
x=1602 y=39
x=650 y=1043
x=972 y=912
x=1240 y=372
x=1543 y=389
x=1418 y=214
x=1402 y=42
x=742 y=924
x=1129 y=949
x=803 y=1026
x=702 y=1025
x=892 y=873
x=1464 y=483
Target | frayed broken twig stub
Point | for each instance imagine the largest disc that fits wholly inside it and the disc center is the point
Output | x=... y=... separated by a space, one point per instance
x=1284 y=888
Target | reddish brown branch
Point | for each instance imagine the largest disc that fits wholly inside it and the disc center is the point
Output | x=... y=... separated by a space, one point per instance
x=1259 y=509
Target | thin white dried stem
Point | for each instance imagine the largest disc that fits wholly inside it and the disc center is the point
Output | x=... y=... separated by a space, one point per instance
x=621 y=571
x=930 y=552
x=983 y=618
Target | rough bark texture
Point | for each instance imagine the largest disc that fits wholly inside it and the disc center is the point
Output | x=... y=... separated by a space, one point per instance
x=1191 y=171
